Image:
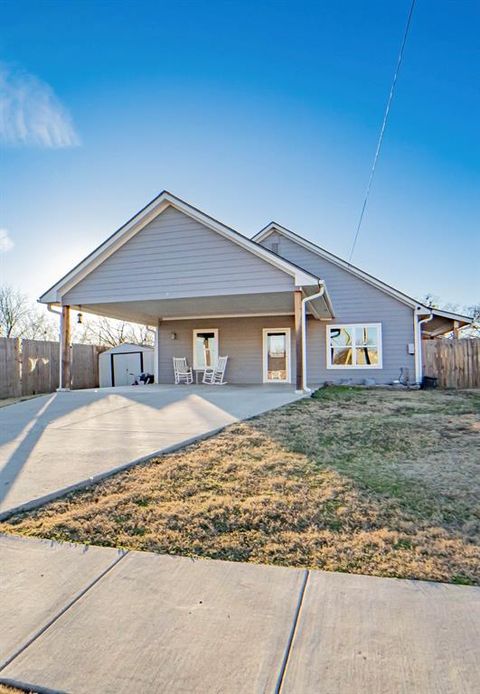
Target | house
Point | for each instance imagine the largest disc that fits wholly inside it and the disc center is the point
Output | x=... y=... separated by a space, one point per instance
x=283 y=309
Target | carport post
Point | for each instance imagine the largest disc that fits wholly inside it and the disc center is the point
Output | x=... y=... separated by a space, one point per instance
x=298 y=340
x=65 y=351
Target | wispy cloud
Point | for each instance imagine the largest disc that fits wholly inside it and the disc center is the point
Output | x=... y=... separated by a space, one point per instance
x=31 y=114
x=6 y=243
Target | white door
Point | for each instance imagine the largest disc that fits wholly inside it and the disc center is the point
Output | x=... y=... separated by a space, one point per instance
x=276 y=355
x=126 y=367
x=205 y=348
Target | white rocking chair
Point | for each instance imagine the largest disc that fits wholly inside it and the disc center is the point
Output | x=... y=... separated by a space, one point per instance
x=182 y=372
x=214 y=376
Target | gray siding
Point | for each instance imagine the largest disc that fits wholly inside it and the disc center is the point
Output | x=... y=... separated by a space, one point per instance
x=175 y=256
x=354 y=301
x=239 y=338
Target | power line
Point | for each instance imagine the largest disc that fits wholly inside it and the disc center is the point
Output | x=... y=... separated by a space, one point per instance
x=382 y=129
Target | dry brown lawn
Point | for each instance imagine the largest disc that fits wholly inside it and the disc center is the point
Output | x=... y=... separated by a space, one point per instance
x=363 y=481
x=12 y=690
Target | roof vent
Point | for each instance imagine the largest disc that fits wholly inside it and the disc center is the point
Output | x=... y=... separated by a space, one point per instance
x=275 y=247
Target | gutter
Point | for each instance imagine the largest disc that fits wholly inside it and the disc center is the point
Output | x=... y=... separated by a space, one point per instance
x=52 y=310
x=321 y=292
x=417 y=335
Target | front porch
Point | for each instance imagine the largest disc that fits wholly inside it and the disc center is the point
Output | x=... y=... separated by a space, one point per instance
x=263 y=334
x=246 y=340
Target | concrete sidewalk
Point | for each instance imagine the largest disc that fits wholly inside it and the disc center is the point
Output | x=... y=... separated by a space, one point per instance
x=55 y=443
x=83 y=620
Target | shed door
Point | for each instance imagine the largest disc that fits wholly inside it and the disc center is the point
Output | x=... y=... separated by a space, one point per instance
x=125 y=368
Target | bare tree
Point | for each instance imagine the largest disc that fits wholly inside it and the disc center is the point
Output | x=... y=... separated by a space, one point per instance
x=13 y=310
x=474 y=311
x=107 y=331
x=430 y=300
x=40 y=325
x=20 y=317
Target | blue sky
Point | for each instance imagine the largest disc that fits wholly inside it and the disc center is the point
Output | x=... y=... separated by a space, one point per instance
x=251 y=111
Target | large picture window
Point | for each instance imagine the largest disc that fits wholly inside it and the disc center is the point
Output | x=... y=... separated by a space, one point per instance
x=355 y=346
x=205 y=348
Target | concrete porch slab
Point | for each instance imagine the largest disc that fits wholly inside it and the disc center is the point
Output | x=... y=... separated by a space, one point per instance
x=54 y=443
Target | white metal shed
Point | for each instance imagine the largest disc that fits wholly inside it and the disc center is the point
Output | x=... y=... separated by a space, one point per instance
x=121 y=365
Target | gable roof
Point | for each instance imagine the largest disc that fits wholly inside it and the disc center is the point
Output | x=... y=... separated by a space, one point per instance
x=273 y=227
x=147 y=214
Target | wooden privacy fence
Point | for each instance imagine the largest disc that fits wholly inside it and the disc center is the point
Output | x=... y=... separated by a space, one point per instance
x=28 y=367
x=456 y=363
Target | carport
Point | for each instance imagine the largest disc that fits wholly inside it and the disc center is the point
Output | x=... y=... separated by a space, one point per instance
x=173 y=266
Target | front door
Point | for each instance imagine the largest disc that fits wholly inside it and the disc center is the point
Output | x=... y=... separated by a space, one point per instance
x=205 y=348
x=276 y=355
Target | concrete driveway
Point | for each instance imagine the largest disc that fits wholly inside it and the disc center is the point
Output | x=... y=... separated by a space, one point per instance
x=57 y=442
x=92 y=619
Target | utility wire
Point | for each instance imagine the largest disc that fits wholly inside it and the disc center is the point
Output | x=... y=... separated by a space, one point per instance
x=382 y=129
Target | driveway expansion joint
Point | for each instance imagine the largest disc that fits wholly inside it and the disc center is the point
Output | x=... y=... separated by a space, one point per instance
x=291 y=637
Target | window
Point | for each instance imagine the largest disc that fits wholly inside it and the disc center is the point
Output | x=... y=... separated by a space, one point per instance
x=205 y=348
x=354 y=346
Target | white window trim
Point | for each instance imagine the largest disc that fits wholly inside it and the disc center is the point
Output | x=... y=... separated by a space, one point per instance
x=355 y=366
x=287 y=331
x=194 y=335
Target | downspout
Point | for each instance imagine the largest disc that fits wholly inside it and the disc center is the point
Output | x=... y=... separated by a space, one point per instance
x=60 y=374
x=156 y=334
x=417 y=334
x=318 y=294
